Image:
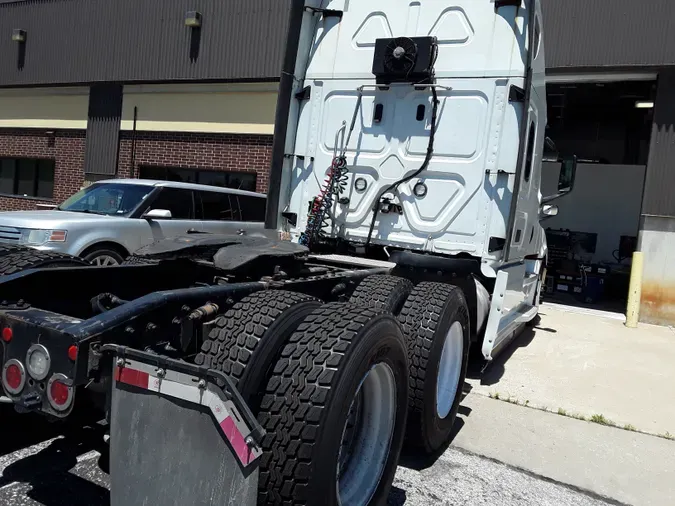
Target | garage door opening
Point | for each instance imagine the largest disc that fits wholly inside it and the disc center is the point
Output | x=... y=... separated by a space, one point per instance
x=592 y=239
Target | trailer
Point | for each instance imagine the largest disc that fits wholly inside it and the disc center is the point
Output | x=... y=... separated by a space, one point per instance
x=403 y=229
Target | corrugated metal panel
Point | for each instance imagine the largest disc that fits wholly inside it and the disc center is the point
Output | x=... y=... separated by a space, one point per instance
x=103 y=129
x=598 y=33
x=82 y=41
x=659 y=197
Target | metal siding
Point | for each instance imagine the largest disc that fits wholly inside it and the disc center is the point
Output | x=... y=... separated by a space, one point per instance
x=659 y=197
x=103 y=129
x=599 y=33
x=84 y=41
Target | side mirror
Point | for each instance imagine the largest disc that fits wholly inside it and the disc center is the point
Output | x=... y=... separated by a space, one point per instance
x=568 y=174
x=551 y=153
x=158 y=214
x=548 y=211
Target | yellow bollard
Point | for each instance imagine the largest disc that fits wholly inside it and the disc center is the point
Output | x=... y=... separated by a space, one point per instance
x=635 y=291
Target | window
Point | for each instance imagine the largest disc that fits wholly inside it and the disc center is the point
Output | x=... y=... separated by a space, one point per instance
x=252 y=208
x=107 y=198
x=231 y=207
x=28 y=177
x=237 y=180
x=530 y=152
x=537 y=38
x=179 y=202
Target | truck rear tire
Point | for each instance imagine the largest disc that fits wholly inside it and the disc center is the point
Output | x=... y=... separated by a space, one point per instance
x=247 y=340
x=334 y=410
x=435 y=321
x=382 y=291
x=35 y=259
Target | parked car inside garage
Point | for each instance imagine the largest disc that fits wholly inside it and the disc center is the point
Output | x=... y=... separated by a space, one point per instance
x=105 y=222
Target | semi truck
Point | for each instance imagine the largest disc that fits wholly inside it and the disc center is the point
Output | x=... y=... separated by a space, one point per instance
x=403 y=231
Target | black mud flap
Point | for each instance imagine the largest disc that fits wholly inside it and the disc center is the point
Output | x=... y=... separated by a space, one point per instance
x=178 y=438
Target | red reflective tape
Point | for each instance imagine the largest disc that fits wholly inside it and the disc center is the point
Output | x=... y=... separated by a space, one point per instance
x=132 y=377
x=236 y=440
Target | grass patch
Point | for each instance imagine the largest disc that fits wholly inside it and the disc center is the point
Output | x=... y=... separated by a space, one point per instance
x=629 y=427
x=562 y=412
x=577 y=416
x=601 y=420
x=668 y=435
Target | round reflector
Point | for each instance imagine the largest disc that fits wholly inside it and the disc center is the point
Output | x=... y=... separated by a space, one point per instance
x=59 y=394
x=7 y=334
x=72 y=353
x=13 y=376
x=37 y=361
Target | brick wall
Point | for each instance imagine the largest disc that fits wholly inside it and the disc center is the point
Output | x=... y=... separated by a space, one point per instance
x=66 y=147
x=226 y=152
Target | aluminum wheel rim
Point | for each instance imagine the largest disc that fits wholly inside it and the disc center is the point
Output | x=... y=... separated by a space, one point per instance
x=365 y=444
x=449 y=369
x=105 y=261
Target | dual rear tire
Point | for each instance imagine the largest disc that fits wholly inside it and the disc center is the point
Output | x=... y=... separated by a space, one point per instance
x=328 y=383
x=435 y=322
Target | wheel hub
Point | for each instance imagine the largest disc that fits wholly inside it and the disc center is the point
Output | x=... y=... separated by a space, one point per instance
x=366 y=438
x=449 y=369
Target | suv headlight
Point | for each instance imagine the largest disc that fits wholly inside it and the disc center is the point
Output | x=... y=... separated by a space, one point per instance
x=38 y=237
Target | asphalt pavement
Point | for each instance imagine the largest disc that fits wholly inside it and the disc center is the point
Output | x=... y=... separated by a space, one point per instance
x=52 y=465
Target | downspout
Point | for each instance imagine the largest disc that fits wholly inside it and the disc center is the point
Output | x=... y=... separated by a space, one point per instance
x=281 y=118
x=132 y=169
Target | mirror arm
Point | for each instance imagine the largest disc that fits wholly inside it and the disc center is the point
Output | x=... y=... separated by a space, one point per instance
x=551 y=198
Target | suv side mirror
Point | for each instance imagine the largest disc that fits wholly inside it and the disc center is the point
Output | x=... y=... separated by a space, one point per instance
x=158 y=214
x=568 y=174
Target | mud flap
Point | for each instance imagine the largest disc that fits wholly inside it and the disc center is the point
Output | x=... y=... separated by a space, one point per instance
x=176 y=437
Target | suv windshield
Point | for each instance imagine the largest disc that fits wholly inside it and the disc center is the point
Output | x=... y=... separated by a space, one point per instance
x=107 y=198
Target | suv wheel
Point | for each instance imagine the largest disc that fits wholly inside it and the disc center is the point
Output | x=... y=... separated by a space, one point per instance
x=104 y=257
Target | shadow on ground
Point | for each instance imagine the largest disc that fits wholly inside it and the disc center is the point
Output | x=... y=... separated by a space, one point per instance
x=489 y=373
x=48 y=475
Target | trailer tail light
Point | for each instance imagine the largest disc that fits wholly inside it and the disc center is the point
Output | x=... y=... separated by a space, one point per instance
x=7 y=334
x=59 y=394
x=72 y=353
x=13 y=376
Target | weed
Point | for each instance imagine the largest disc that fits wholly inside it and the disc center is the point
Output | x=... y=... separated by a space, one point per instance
x=562 y=412
x=496 y=395
x=600 y=419
x=668 y=435
x=629 y=427
x=527 y=403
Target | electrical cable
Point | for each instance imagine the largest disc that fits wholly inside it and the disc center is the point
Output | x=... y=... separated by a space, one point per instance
x=425 y=164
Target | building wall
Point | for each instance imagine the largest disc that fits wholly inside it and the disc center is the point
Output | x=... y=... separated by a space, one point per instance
x=206 y=108
x=65 y=146
x=609 y=33
x=606 y=200
x=657 y=242
x=226 y=152
x=87 y=41
x=44 y=108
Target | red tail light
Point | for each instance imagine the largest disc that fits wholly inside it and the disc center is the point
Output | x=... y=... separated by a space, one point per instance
x=72 y=353
x=59 y=394
x=7 y=334
x=13 y=376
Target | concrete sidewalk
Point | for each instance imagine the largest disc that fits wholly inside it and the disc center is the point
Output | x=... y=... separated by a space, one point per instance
x=590 y=364
x=631 y=468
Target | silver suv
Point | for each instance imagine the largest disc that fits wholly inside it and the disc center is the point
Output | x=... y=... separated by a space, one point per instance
x=107 y=221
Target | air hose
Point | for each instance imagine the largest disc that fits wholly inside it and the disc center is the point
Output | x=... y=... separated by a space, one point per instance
x=335 y=184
